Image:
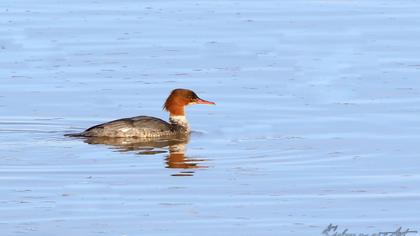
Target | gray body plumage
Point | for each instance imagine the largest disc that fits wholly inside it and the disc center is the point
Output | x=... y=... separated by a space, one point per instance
x=139 y=126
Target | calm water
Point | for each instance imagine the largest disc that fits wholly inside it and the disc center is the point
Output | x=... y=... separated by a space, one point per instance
x=317 y=117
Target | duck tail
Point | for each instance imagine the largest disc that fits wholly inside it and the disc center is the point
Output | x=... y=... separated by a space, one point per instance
x=82 y=134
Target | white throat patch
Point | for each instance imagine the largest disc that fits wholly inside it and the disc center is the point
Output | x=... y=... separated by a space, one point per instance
x=179 y=120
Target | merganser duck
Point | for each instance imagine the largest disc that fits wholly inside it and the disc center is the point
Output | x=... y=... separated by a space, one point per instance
x=151 y=127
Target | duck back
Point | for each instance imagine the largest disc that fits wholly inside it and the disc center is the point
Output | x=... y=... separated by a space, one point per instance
x=139 y=126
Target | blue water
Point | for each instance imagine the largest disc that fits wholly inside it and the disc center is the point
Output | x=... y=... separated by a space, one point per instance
x=316 y=122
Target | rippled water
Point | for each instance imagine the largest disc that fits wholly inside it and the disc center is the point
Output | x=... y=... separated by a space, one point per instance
x=317 y=117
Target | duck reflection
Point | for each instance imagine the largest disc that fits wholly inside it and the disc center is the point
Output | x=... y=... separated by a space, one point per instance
x=176 y=158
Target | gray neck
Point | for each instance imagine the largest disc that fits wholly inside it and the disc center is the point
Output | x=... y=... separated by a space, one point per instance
x=179 y=121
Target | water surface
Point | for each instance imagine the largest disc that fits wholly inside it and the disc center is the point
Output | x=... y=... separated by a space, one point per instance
x=317 y=117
